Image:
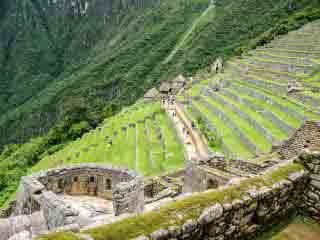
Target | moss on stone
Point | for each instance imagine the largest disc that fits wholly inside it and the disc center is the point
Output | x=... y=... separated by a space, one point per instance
x=60 y=236
x=175 y=214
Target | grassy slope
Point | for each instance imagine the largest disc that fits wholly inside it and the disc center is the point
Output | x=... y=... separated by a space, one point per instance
x=286 y=108
x=95 y=146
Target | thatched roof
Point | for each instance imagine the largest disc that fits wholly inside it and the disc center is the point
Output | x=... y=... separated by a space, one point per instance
x=165 y=87
x=180 y=78
x=152 y=93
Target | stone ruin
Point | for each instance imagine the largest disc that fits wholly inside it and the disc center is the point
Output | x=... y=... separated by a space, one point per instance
x=41 y=207
x=217 y=66
x=306 y=137
x=41 y=204
x=217 y=171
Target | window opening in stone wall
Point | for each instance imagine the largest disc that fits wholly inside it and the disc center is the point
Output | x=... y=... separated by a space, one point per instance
x=75 y=179
x=61 y=183
x=212 y=184
x=108 y=184
x=92 y=180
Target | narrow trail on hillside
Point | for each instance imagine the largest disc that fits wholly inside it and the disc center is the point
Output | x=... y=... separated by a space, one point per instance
x=187 y=34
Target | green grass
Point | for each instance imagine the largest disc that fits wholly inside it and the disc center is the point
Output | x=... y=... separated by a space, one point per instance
x=144 y=161
x=95 y=147
x=229 y=138
x=175 y=153
x=285 y=117
x=284 y=101
x=259 y=140
x=268 y=124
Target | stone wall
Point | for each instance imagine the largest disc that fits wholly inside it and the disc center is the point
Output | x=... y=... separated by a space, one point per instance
x=257 y=209
x=84 y=179
x=243 y=217
x=311 y=200
x=250 y=167
x=305 y=137
x=39 y=206
x=128 y=197
x=31 y=225
x=56 y=212
x=199 y=178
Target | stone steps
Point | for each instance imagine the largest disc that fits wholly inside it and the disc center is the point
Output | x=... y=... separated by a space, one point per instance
x=295 y=47
x=277 y=81
x=275 y=76
x=259 y=95
x=245 y=66
x=270 y=120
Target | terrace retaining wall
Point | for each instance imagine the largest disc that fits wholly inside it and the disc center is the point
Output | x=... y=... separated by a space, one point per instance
x=305 y=137
x=242 y=218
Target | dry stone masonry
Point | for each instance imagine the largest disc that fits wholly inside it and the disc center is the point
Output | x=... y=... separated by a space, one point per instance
x=242 y=218
x=40 y=205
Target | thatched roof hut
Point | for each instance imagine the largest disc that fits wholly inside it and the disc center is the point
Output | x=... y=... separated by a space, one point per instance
x=151 y=95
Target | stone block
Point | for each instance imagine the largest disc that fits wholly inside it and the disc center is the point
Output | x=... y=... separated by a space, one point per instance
x=189 y=226
x=210 y=214
x=142 y=238
x=313 y=196
x=315 y=177
x=160 y=234
x=315 y=184
x=25 y=235
x=174 y=231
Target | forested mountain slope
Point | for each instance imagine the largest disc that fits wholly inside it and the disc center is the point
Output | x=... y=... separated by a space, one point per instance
x=68 y=65
x=72 y=62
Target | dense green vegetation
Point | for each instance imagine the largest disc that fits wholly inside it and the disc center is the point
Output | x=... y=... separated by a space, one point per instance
x=62 y=75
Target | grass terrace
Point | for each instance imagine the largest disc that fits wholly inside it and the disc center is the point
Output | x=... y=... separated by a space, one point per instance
x=256 y=106
x=138 y=138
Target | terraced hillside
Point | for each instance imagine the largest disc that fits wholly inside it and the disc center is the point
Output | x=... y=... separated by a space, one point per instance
x=139 y=138
x=263 y=95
